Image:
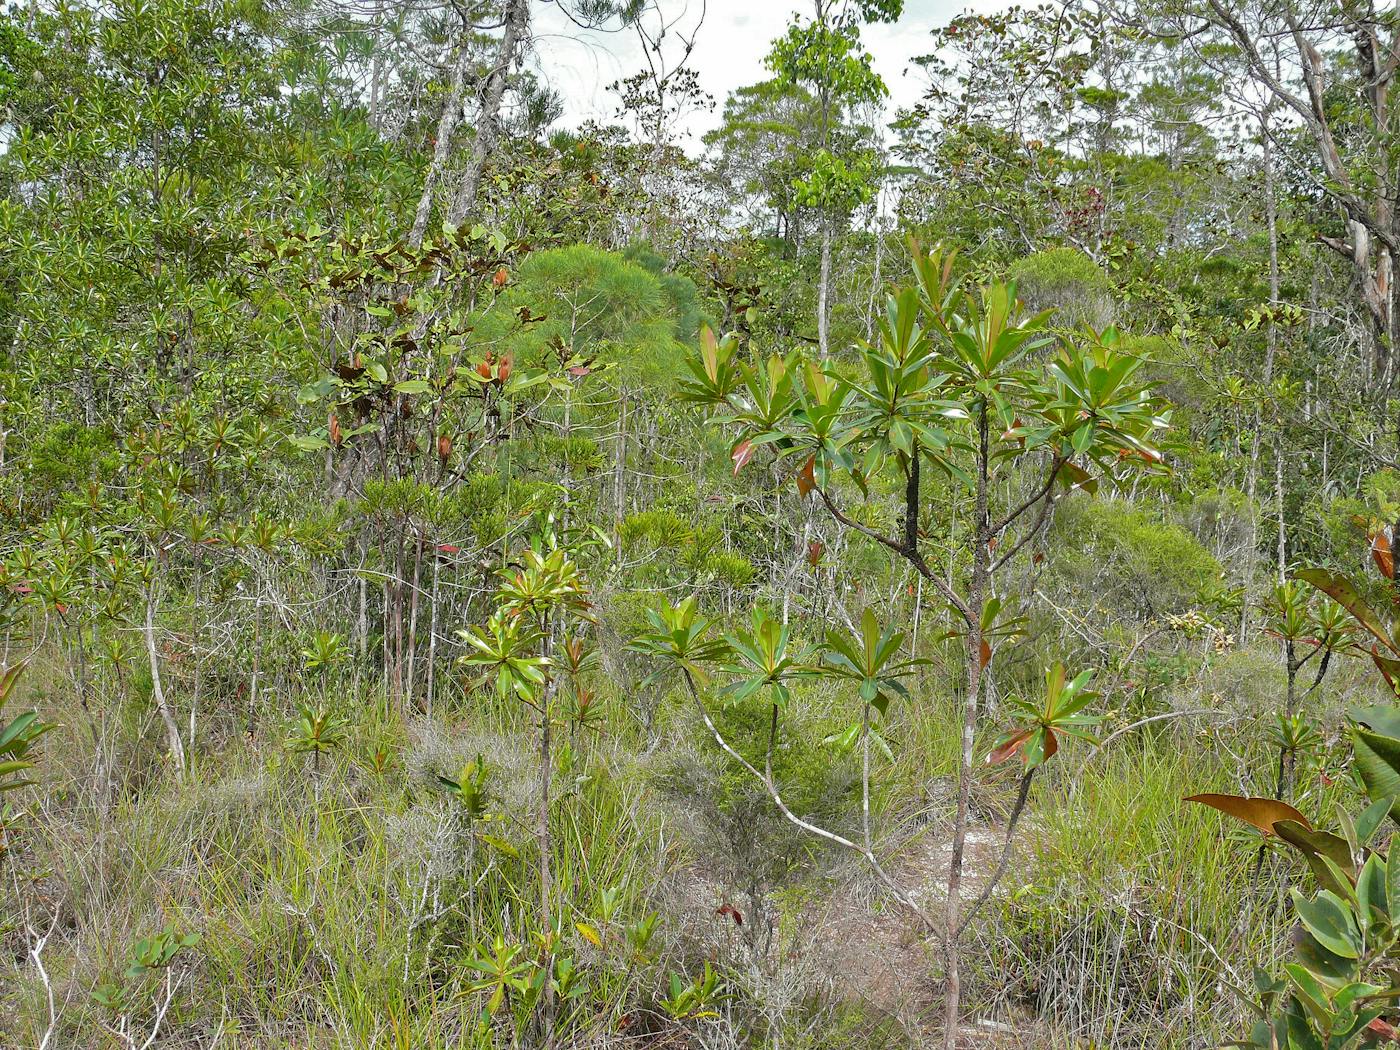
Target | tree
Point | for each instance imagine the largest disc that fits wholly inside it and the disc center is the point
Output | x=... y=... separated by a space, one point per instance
x=825 y=57
x=950 y=394
x=1348 y=58
x=763 y=142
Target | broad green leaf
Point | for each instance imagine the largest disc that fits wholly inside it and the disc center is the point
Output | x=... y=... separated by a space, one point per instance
x=1328 y=919
x=1377 y=760
x=1344 y=593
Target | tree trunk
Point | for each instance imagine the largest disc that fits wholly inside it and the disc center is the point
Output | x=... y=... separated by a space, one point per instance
x=411 y=659
x=432 y=634
x=517 y=27
x=824 y=292
x=396 y=682
x=172 y=728
x=542 y=836
x=1270 y=353
x=447 y=124
x=976 y=598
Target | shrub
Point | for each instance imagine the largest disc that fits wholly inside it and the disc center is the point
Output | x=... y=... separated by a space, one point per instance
x=1070 y=282
x=1138 y=565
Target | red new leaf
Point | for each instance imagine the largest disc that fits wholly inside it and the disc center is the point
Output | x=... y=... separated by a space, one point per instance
x=743 y=452
x=1011 y=747
x=732 y=912
x=806 y=478
x=1382 y=554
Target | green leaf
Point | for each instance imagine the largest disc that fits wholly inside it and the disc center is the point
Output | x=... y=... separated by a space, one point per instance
x=1324 y=852
x=1344 y=593
x=1370 y=821
x=500 y=844
x=1377 y=760
x=1330 y=922
x=1371 y=892
x=1383 y=718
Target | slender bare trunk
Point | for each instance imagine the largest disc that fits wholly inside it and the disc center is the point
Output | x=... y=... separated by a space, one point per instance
x=172 y=728
x=1270 y=353
x=412 y=657
x=517 y=27
x=542 y=835
x=442 y=146
x=254 y=681
x=824 y=292
x=396 y=683
x=976 y=598
x=1278 y=510
x=432 y=633
x=198 y=663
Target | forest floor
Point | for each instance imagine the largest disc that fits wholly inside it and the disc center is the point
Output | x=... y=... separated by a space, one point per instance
x=855 y=944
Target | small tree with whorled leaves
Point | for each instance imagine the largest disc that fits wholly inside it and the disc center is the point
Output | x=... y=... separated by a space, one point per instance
x=960 y=383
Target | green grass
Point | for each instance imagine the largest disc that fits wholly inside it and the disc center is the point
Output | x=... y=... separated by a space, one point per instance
x=342 y=906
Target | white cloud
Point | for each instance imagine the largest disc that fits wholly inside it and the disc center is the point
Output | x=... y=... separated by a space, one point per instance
x=729 y=53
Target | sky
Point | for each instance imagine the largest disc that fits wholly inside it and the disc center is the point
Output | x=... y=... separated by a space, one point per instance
x=729 y=51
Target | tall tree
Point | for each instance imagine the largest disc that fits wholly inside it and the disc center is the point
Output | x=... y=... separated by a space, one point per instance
x=1333 y=68
x=825 y=57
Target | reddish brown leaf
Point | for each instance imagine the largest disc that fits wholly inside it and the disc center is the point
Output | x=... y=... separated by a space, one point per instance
x=742 y=453
x=444 y=447
x=1385 y=1030
x=1011 y=747
x=502 y=276
x=503 y=369
x=806 y=478
x=732 y=912
x=1263 y=813
x=1382 y=554
x=334 y=426
x=580 y=370
x=1389 y=669
x=985 y=655
x=815 y=550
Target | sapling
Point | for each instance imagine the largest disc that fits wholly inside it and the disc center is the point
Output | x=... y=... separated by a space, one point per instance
x=541 y=595
x=319 y=727
x=959 y=387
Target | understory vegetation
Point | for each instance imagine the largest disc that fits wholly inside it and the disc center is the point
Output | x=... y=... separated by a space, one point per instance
x=872 y=576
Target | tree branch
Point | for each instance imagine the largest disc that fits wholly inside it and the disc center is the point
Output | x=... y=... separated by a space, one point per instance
x=766 y=779
x=912 y=556
x=1016 y=810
